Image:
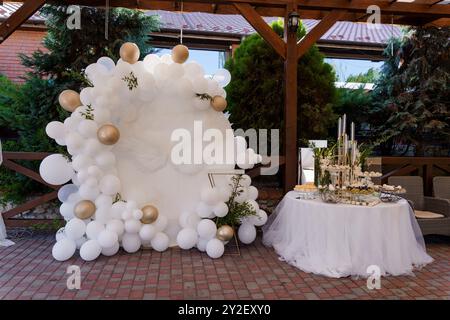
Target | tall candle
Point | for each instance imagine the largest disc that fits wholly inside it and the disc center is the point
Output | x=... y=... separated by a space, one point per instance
x=353 y=131
x=344 y=123
x=339 y=128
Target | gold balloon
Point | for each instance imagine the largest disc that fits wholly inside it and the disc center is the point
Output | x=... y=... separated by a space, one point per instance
x=218 y=103
x=180 y=53
x=108 y=134
x=225 y=233
x=129 y=52
x=149 y=214
x=84 y=209
x=69 y=100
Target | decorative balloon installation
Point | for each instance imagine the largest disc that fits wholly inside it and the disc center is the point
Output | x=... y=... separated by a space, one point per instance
x=98 y=220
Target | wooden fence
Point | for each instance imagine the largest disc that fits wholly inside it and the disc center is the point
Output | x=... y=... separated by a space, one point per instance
x=426 y=167
x=9 y=216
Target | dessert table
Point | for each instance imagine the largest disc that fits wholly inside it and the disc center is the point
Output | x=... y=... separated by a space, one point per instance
x=339 y=240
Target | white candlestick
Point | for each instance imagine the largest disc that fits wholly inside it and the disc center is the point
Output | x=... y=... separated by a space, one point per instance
x=353 y=131
x=344 y=123
x=339 y=128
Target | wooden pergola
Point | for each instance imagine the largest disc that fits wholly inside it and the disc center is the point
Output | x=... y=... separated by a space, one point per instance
x=406 y=12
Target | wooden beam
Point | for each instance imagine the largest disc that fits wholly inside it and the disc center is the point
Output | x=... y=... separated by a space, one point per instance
x=29 y=205
x=290 y=107
x=313 y=35
x=27 y=172
x=22 y=14
x=262 y=28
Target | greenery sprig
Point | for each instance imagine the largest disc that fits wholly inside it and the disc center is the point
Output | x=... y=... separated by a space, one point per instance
x=204 y=96
x=88 y=114
x=131 y=80
x=236 y=210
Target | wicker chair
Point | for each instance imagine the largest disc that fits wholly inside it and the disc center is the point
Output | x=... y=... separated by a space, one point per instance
x=436 y=210
x=441 y=187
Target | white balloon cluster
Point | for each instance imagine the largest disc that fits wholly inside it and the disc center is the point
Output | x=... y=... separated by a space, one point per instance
x=198 y=228
x=98 y=220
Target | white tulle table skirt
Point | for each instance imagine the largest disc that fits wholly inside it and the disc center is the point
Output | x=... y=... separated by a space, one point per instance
x=338 y=240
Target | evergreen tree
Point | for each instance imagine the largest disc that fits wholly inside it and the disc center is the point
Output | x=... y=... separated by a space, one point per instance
x=61 y=67
x=412 y=95
x=255 y=93
x=367 y=77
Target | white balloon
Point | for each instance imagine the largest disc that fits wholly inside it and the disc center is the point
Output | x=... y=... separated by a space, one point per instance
x=65 y=191
x=93 y=147
x=88 y=128
x=131 y=242
x=75 y=229
x=193 y=69
x=60 y=234
x=90 y=250
x=75 y=142
x=102 y=116
x=82 y=161
x=89 y=193
x=111 y=250
x=199 y=84
x=110 y=185
x=116 y=226
x=201 y=244
x=206 y=229
x=259 y=219
x=242 y=195
x=252 y=193
x=86 y=96
x=93 y=229
x=117 y=209
x=66 y=210
x=187 y=238
x=220 y=210
x=245 y=181
x=210 y=196
x=254 y=205
x=132 y=226
x=160 y=242
x=103 y=201
x=105 y=159
x=137 y=214
x=175 y=71
x=247 y=233
x=223 y=77
x=203 y=210
x=107 y=62
x=55 y=130
x=215 y=248
x=63 y=249
x=79 y=242
x=147 y=232
x=161 y=223
x=56 y=169
x=107 y=238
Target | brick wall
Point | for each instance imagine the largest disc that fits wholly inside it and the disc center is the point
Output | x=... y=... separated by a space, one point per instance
x=21 y=41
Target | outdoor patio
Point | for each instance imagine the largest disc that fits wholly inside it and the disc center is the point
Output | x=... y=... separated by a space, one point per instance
x=28 y=271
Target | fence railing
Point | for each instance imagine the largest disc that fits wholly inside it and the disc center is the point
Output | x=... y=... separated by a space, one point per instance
x=9 y=216
x=426 y=167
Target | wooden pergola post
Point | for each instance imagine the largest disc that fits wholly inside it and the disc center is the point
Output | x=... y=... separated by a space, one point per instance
x=290 y=105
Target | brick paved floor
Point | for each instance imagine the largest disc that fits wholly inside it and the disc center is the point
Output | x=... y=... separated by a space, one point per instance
x=28 y=271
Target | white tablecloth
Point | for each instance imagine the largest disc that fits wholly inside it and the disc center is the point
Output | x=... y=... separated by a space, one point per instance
x=339 y=240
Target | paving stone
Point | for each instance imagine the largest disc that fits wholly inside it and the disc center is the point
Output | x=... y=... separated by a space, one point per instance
x=28 y=271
